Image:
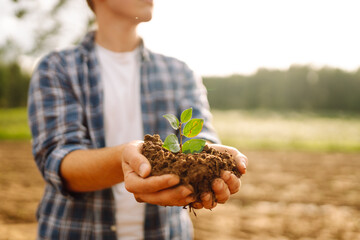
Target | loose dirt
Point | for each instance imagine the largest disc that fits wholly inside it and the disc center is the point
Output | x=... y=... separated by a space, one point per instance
x=198 y=169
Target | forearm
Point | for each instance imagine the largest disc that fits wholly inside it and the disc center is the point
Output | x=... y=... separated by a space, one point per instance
x=91 y=170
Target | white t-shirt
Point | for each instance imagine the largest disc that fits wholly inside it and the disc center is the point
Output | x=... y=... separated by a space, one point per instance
x=120 y=74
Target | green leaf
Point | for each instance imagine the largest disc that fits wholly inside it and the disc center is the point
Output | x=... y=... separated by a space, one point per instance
x=171 y=143
x=173 y=120
x=193 y=146
x=186 y=115
x=193 y=127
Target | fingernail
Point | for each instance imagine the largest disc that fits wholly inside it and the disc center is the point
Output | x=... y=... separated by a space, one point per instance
x=218 y=184
x=186 y=192
x=189 y=200
x=226 y=176
x=243 y=165
x=207 y=197
x=142 y=169
x=173 y=181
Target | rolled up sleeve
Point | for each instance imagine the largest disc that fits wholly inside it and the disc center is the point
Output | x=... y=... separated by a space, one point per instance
x=56 y=119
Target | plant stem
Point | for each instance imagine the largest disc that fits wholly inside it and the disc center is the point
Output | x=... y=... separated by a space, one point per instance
x=180 y=137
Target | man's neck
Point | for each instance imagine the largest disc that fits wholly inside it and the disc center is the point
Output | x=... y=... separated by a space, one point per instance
x=117 y=37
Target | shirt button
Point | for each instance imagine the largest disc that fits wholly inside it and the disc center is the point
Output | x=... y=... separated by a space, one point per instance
x=113 y=228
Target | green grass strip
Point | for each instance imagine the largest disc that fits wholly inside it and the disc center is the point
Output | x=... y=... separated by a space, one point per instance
x=13 y=124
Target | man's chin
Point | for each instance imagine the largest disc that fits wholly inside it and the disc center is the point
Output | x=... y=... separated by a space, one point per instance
x=144 y=18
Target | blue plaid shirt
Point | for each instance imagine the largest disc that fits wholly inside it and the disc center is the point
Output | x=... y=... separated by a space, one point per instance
x=65 y=109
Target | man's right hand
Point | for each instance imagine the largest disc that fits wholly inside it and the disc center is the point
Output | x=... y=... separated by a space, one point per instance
x=159 y=190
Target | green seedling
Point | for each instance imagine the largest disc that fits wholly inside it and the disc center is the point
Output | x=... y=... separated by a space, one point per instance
x=192 y=128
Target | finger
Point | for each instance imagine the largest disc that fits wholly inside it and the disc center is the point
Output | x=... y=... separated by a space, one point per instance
x=207 y=201
x=231 y=181
x=178 y=196
x=136 y=184
x=241 y=163
x=221 y=190
x=240 y=159
x=134 y=158
x=197 y=205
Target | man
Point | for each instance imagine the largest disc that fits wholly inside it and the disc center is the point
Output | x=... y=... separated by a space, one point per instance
x=88 y=108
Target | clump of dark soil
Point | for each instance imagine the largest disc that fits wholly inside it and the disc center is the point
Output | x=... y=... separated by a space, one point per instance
x=198 y=169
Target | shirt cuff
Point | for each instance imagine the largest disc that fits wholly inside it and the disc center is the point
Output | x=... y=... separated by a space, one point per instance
x=52 y=169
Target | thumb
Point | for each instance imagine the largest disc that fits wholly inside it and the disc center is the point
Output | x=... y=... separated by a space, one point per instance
x=144 y=169
x=137 y=162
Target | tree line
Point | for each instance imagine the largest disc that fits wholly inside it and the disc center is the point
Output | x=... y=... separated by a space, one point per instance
x=14 y=84
x=297 y=88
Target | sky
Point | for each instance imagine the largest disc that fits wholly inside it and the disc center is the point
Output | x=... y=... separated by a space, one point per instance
x=233 y=36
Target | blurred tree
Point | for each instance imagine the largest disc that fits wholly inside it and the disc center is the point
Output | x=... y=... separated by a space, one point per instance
x=45 y=21
x=13 y=85
x=41 y=21
x=298 y=88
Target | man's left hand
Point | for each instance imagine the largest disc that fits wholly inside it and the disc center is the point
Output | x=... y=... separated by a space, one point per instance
x=228 y=183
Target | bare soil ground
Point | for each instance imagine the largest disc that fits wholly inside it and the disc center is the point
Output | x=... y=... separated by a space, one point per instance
x=290 y=195
x=21 y=188
x=285 y=195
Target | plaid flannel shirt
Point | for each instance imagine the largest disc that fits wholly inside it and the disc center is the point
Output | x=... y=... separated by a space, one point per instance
x=65 y=109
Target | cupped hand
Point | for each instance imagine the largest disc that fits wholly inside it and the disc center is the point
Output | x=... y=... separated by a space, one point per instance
x=228 y=183
x=161 y=190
